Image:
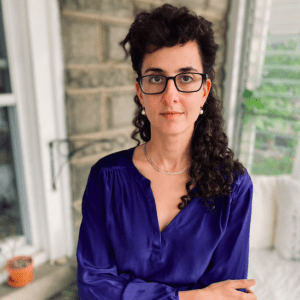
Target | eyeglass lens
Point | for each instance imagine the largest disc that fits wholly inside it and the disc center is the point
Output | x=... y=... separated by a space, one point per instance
x=187 y=82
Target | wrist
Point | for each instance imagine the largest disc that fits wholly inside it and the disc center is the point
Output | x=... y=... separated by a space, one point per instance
x=191 y=295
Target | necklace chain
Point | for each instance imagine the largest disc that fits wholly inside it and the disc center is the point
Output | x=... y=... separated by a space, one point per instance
x=159 y=170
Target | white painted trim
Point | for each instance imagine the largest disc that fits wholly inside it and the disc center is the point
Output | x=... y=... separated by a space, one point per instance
x=45 y=40
x=21 y=83
x=263 y=45
x=232 y=67
x=36 y=68
x=24 y=133
x=64 y=181
x=7 y=100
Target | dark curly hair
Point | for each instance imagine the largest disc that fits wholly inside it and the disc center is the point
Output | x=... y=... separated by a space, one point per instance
x=213 y=169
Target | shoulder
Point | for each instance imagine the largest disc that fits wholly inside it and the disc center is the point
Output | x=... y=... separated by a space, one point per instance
x=242 y=188
x=114 y=161
x=242 y=180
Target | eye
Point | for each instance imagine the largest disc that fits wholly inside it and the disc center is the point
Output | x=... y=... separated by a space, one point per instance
x=155 y=79
x=186 y=78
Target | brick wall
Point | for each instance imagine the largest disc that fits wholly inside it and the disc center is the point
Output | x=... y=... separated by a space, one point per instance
x=100 y=84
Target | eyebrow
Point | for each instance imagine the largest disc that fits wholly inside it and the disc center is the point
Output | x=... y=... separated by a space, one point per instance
x=158 y=70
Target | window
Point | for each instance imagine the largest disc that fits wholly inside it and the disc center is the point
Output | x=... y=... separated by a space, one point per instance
x=32 y=115
x=271 y=102
x=11 y=223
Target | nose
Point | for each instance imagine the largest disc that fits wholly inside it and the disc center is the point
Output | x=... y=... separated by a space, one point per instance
x=171 y=93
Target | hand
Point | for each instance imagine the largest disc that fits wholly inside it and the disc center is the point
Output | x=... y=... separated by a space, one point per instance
x=227 y=290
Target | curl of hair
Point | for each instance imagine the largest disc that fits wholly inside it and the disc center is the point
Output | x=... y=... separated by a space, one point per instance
x=213 y=169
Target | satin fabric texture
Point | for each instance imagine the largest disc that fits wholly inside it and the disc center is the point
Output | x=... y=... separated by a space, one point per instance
x=122 y=255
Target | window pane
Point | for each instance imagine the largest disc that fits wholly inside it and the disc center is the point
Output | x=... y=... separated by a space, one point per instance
x=4 y=70
x=271 y=122
x=10 y=218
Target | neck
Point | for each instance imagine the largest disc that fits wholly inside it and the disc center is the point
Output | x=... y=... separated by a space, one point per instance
x=170 y=154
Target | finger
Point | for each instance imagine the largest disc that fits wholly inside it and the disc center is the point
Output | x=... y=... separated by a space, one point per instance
x=248 y=291
x=243 y=283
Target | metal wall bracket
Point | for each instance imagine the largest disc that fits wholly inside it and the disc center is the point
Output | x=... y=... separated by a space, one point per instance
x=107 y=145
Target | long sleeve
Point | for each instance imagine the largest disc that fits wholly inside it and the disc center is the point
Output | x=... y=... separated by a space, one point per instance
x=231 y=256
x=98 y=276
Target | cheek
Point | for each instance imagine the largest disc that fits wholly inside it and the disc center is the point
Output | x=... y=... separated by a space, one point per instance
x=153 y=104
x=192 y=107
x=195 y=112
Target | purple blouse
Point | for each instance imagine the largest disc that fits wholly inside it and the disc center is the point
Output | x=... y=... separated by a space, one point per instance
x=122 y=254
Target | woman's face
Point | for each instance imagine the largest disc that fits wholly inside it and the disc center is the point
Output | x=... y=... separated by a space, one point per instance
x=170 y=62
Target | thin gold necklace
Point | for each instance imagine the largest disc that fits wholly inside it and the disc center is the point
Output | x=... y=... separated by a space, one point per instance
x=159 y=170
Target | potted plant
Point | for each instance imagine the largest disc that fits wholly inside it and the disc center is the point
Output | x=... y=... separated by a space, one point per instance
x=20 y=268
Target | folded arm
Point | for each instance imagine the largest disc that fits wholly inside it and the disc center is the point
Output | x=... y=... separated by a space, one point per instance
x=231 y=256
x=97 y=276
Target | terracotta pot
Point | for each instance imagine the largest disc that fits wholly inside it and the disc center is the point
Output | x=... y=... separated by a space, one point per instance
x=20 y=269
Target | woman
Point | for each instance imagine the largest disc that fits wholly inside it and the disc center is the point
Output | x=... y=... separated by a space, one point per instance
x=169 y=219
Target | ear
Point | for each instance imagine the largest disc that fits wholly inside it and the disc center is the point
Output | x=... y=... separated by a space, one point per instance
x=206 y=88
x=139 y=93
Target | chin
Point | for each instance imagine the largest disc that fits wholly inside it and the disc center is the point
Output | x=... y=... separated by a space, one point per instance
x=175 y=131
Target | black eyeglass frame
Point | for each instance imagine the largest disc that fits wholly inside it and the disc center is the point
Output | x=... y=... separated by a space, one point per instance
x=204 y=77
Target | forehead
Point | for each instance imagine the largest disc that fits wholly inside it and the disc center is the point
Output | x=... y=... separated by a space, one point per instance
x=174 y=58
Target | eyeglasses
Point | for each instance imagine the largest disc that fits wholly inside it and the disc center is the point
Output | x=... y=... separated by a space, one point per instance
x=184 y=82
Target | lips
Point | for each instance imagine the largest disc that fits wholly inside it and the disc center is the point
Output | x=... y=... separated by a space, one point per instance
x=171 y=116
x=171 y=113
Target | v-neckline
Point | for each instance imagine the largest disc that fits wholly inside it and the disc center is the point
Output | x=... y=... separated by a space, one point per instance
x=151 y=199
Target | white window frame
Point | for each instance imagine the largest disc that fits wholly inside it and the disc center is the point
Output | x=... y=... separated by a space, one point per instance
x=234 y=43
x=235 y=35
x=34 y=48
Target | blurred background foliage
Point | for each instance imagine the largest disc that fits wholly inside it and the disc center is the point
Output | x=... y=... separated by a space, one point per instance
x=273 y=110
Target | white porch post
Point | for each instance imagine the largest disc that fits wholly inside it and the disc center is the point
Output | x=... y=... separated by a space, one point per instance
x=232 y=67
x=47 y=66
